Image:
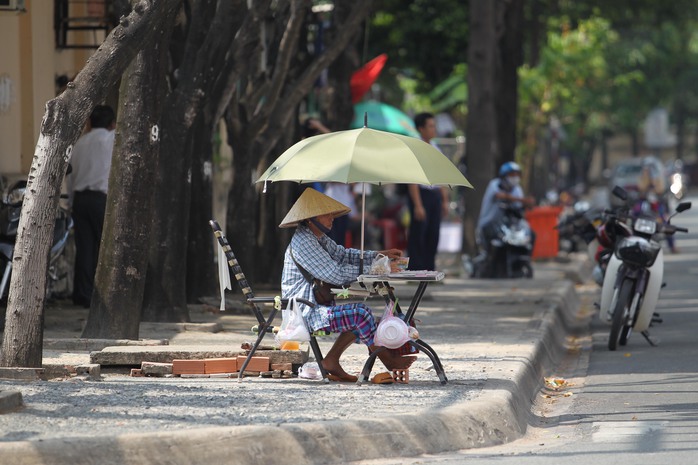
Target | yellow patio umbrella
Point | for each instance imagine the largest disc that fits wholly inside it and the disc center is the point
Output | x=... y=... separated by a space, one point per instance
x=364 y=155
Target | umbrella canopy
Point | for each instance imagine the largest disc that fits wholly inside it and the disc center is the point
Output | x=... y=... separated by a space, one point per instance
x=384 y=117
x=364 y=155
x=365 y=76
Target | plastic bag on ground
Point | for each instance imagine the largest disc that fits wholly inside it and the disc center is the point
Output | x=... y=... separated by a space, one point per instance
x=310 y=370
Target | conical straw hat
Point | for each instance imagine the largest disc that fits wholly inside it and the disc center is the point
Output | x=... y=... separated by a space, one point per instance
x=310 y=204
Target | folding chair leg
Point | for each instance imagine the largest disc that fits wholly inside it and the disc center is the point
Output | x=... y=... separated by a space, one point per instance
x=260 y=336
x=318 y=356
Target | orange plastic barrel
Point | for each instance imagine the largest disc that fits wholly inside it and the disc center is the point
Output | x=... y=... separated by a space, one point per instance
x=543 y=221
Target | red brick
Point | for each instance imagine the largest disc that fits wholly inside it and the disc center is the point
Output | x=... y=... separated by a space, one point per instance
x=180 y=367
x=282 y=366
x=220 y=365
x=257 y=364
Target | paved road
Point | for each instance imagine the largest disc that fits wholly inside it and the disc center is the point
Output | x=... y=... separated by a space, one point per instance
x=635 y=405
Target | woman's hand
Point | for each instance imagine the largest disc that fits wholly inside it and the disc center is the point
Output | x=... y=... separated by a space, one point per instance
x=392 y=253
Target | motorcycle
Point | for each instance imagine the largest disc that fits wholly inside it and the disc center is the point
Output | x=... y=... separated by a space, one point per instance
x=509 y=244
x=608 y=231
x=634 y=272
x=576 y=227
x=10 y=208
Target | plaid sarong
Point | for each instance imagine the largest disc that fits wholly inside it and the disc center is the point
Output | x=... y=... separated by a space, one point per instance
x=355 y=317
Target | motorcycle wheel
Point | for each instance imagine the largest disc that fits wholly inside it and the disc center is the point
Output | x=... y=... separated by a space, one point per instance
x=619 y=313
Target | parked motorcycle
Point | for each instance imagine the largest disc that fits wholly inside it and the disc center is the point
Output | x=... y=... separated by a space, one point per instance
x=577 y=227
x=10 y=208
x=608 y=232
x=633 y=275
x=509 y=244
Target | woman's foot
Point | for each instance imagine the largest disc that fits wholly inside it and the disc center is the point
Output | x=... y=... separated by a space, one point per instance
x=337 y=372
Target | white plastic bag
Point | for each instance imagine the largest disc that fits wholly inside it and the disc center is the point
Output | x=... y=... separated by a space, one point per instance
x=381 y=265
x=310 y=370
x=391 y=332
x=292 y=324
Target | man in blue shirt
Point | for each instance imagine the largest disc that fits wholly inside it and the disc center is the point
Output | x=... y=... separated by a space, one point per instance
x=428 y=205
x=321 y=258
x=504 y=189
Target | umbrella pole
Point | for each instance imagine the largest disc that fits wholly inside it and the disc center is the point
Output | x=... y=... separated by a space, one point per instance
x=363 y=219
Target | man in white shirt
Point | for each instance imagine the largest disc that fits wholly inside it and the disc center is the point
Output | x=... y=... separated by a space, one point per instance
x=87 y=184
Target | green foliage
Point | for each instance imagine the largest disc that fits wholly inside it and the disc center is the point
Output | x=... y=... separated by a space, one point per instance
x=424 y=39
x=572 y=81
x=452 y=93
x=594 y=77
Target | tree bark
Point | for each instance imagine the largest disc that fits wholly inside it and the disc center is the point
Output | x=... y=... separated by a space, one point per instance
x=482 y=147
x=120 y=280
x=206 y=56
x=62 y=124
x=511 y=57
x=200 y=275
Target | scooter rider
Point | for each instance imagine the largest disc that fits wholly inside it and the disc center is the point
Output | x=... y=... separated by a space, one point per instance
x=504 y=188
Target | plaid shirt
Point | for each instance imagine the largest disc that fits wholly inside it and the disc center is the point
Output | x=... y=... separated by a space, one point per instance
x=323 y=259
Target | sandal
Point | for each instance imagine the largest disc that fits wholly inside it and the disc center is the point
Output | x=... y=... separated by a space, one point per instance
x=383 y=378
x=338 y=379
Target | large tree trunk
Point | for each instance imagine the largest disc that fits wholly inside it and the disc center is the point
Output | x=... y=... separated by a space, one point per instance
x=62 y=124
x=120 y=280
x=481 y=144
x=511 y=57
x=206 y=58
x=243 y=207
x=201 y=276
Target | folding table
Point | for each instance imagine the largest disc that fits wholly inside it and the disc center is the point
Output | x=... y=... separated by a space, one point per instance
x=381 y=284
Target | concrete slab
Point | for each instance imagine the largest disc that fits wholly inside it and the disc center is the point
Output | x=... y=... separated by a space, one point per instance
x=180 y=327
x=23 y=374
x=70 y=344
x=10 y=401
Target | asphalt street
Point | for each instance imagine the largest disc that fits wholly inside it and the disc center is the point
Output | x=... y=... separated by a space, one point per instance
x=634 y=405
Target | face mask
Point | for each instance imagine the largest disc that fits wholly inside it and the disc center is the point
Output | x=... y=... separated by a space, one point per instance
x=319 y=225
x=514 y=180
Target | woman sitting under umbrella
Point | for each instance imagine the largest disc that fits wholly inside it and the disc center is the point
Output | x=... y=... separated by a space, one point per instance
x=312 y=254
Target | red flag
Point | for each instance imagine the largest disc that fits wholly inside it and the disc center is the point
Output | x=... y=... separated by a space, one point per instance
x=365 y=76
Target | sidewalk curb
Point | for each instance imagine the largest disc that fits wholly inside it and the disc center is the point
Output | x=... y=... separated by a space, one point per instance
x=498 y=416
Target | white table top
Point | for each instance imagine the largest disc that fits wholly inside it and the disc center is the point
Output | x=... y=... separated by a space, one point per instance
x=408 y=275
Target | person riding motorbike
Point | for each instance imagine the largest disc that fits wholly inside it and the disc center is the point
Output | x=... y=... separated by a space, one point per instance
x=505 y=189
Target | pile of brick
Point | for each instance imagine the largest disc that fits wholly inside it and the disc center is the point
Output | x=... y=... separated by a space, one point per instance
x=216 y=368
